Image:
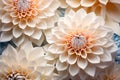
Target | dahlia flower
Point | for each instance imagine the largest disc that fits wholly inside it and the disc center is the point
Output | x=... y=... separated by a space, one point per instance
x=24 y=63
x=26 y=18
x=80 y=42
x=109 y=9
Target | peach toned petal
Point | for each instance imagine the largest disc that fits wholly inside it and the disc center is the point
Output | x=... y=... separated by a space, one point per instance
x=73 y=3
x=87 y=3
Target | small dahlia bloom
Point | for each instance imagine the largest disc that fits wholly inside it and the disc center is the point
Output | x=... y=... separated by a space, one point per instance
x=81 y=42
x=24 y=63
x=109 y=9
x=26 y=18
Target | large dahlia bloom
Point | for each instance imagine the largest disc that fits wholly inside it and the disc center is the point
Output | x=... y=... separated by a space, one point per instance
x=24 y=63
x=80 y=42
x=109 y=9
x=26 y=18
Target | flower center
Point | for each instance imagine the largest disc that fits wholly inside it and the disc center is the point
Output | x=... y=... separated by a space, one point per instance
x=78 y=41
x=15 y=76
x=23 y=5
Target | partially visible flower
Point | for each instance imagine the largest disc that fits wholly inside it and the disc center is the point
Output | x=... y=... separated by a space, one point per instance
x=109 y=9
x=81 y=41
x=111 y=73
x=24 y=63
x=26 y=18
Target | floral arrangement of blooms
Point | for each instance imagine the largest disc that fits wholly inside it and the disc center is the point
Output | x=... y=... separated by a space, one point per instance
x=59 y=39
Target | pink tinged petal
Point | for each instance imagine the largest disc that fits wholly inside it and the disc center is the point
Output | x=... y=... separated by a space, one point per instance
x=113 y=11
x=93 y=58
x=88 y=3
x=6 y=18
x=73 y=70
x=72 y=59
x=82 y=63
x=19 y=40
x=83 y=54
x=97 y=50
x=61 y=66
x=17 y=32
x=103 y=1
x=63 y=57
x=28 y=31
x=15 y=21
x=31 y=22
x=37 y=34
x=22 y=24
x=106 y=57
x=6 y=27
x=73 y=3
x=90 y=70
x=6 y=36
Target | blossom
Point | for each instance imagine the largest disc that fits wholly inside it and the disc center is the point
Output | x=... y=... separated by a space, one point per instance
x=80 y=42
x=24 y=63
x=109 y=9
x=26 y=18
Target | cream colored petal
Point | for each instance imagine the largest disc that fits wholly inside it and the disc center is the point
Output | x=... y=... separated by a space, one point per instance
x=82 y=63
x=6 y=36
x=36 y=53
x=115 y=1
x=103 y=1
x=88 y=3
x=6 y=18
x=10 y=51
x=83 y=54
x=42 y=25
x=93 y=58
x=73 y=70
x=28 y=31
x=113 y=11
x=22 y=24
x=63 y=4
x=17 y=32
x=106 y=57
x=63 y=57
x=37 y=34
x=104 y=65
x=100 y=42
x=97 y=50
x=19 y=40
x=56 y=49
x=31 y=22
x=72 y=59
x=88 y=19
x=6 y=27
x=73 y=3
x=90 y=70
x=6 y=2
x=61 y=66
x=15 y=21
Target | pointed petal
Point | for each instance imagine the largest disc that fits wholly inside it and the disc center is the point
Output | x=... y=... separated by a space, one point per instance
x=74 y=70
x=17 y=32
x=63 y=57
x=103 y=1
x=93 y=58
x=87 y=3
x=6 y=18
x=61 y=66
x=72 y=59
x=82 y=63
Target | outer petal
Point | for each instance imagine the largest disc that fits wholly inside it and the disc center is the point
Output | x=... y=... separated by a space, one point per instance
x=87 y=3
x=82 y=63
x=61 y=66
x=74 y=69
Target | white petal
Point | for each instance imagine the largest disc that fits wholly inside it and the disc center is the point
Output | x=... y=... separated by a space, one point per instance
x=97 y=50
x=10 y=51
x=73 y=3
x=82 y=63
x=6 y=27
x=72 y=59
x=6 y=18
x=31 y=22
x=115 y=1
x=36 y=53
x=74 y=70
x=61 y=66
x=17 y=32
x=90 y=70
x=22 y=24
x=103 y=1
x=87 y=3
x=37 y=34
x=6 y=36
x=28 y=31
x=93 y=58
x=19 y=40
x=63 y=57
x=106 y=57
